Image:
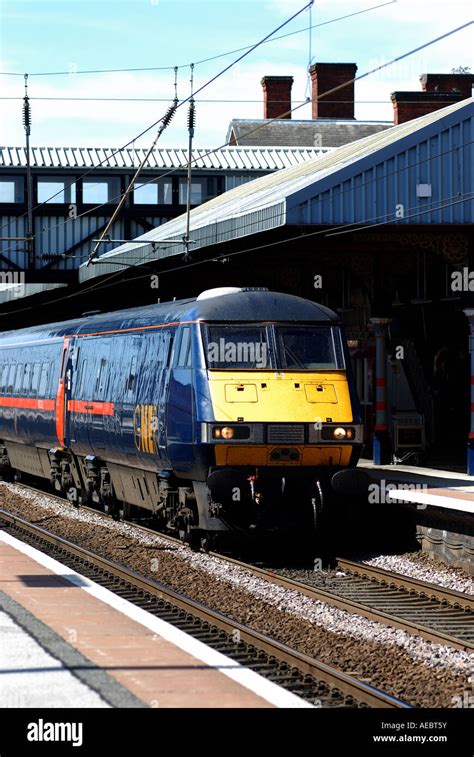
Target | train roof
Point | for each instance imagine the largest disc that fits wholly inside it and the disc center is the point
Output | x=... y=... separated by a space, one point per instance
x=227 y=304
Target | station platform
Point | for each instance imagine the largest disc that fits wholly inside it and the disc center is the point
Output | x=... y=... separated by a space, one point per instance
x=425 y=486
x=68 y=642
x=442 y=507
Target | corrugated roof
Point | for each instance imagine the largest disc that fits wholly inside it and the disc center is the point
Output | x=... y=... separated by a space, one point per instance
x=287 y=132
x=357 y=184
x=224 y=159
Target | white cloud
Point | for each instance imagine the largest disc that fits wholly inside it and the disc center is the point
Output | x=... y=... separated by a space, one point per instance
x=391 y=30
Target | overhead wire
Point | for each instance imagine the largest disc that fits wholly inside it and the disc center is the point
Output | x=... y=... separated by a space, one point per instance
x=73 y=72
x=165 y=120
x=180 y=104
x=345 y=84
x=292 y=110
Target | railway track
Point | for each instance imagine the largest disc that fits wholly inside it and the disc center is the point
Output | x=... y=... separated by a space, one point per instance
x=312 y=680
x=435 y=613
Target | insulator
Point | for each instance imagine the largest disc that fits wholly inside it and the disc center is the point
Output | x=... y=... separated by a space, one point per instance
x=26 y=113
x=168 y=116
x=191 y=116
x=52 y=256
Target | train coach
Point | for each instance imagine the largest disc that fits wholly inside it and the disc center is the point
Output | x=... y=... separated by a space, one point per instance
x=231 y=411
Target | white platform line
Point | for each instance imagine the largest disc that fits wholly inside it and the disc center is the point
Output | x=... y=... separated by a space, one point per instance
x=436 y=500
x=247 y=678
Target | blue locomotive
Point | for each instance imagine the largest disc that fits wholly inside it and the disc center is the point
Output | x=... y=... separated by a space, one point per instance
x=228 y=411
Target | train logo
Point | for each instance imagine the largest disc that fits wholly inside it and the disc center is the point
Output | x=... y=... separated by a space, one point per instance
x=145 y=426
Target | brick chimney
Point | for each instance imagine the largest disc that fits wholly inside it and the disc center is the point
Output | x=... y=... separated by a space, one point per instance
x=461 y=83
x=326 y=76
x=408 y=105
x=277 y=96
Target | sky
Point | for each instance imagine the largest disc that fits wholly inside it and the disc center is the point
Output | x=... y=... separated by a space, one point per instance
x=71 y=36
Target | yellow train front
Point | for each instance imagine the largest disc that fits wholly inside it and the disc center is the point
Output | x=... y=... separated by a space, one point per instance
x=276 y=409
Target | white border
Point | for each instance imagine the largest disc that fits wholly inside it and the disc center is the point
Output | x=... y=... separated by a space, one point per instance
x=247 y=678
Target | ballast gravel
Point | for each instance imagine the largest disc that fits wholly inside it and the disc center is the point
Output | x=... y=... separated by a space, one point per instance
x=420 y=565
x=420 y=672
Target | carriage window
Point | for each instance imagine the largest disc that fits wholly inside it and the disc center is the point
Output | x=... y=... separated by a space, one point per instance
x=132 y=375
x=35 y=378
x=44 y=380
x=184 y=353
x=11 y=378
x=101 y=378
x=18 y=377
x=27 y=379
x=81 y=384
x=3 y=376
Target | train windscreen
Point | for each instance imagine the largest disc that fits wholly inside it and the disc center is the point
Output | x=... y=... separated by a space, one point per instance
x=309 y=348
x=243 y=347
x=273 y=347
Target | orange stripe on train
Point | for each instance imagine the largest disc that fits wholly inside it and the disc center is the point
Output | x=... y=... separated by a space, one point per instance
x=27 y=402
x=93 y=408
x=74 y=406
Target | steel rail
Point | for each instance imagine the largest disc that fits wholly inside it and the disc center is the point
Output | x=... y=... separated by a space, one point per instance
x=352 y=688
x=416 y=588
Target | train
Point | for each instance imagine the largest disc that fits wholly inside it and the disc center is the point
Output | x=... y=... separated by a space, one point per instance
x=227 y=412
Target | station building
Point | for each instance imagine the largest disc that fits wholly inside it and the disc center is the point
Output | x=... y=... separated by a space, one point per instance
x=381 y=230
x=378 y=227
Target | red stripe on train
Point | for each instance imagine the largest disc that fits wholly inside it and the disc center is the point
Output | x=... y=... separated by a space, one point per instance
x=27 y=402
x=74 y=406
x=94 y=408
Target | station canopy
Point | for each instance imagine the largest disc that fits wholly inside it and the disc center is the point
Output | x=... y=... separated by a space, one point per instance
x=419 y=172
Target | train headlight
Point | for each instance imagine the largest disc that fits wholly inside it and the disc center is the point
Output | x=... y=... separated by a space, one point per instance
x=231 y=432
x=338 y=433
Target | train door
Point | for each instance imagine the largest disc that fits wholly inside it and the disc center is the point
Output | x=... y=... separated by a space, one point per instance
x=100 y=407
x=132 y=346
x=63 y=394
x=180 y=415
x=162 y=395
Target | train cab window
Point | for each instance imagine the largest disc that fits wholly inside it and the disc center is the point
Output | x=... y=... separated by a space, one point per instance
x=184 y=350
x=240 y=347
x=35 y=379
x=308 y=348
x=44 y=380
